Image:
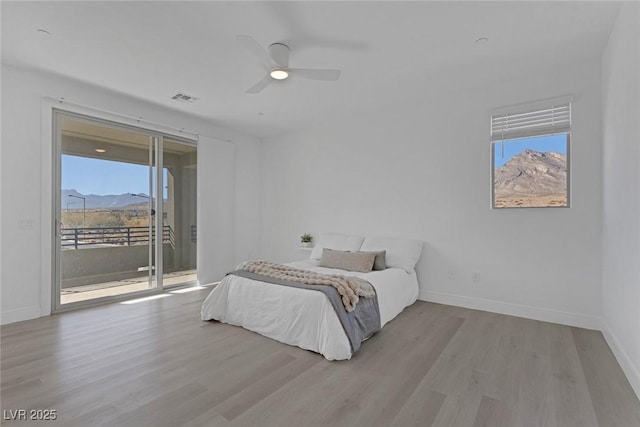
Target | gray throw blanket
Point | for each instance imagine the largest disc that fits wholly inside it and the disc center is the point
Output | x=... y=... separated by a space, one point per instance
x=359 y=324
x=350 y=288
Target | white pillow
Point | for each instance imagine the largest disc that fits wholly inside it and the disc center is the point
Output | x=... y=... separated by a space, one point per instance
x=338 y=242
x=401 y=253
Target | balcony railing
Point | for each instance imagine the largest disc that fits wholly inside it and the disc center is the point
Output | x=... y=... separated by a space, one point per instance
x=74 y=238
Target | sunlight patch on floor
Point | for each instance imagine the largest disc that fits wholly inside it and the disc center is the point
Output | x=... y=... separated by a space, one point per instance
x=137 y=300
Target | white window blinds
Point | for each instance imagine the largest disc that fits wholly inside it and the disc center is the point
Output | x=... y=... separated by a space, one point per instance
x=545 y=121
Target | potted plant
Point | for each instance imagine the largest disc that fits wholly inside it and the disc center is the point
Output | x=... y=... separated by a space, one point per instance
x=305 y=240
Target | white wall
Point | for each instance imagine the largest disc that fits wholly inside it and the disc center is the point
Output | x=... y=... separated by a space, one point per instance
x=621 y=210
x=23 y=195
x=422 y=170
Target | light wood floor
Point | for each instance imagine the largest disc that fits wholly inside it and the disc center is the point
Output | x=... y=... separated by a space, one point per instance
x=155 y=363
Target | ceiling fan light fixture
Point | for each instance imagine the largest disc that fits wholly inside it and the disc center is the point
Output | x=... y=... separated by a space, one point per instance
x=276 y=62
x=279 y=74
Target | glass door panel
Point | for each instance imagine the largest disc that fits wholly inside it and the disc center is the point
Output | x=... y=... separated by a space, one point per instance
x=105 y=211
x=179 y=213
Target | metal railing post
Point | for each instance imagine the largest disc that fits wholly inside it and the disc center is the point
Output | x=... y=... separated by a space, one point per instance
x=75 y=237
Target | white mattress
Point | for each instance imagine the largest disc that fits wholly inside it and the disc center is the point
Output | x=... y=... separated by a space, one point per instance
x=309 y=321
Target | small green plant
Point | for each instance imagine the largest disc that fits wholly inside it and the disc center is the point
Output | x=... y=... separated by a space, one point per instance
x=306 y=238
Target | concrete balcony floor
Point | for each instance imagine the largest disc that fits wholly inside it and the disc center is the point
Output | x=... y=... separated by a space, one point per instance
x=121 y=287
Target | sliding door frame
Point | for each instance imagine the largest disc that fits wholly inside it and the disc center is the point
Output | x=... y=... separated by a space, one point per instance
x=50 y=162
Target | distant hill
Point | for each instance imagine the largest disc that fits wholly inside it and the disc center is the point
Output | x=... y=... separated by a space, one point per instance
x=109 y=201
x=532 y=174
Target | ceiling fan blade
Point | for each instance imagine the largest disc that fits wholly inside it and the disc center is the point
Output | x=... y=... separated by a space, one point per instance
x=316 y=73
x=254 y=47
x=260 y=85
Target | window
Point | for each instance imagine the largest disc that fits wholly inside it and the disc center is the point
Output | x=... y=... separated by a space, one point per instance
x=530 y=156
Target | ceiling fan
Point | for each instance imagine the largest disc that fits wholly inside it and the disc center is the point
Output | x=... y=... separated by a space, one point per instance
x=276 y=60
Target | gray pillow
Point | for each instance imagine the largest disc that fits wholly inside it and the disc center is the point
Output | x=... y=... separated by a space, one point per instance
x=351 y=261
x=380 y=262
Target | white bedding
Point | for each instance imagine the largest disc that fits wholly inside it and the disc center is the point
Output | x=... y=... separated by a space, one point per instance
x=309 y=321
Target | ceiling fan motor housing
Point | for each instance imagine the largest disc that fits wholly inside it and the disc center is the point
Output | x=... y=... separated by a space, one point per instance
x=280 y=53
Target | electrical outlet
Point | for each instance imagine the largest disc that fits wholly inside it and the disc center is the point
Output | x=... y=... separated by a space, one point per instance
x=452 y=275
x=475 y=277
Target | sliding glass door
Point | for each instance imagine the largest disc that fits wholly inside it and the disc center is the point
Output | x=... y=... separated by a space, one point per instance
x=119 y=229
x=179 y=212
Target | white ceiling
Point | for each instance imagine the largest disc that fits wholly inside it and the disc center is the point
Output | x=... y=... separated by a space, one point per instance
x=387 y=51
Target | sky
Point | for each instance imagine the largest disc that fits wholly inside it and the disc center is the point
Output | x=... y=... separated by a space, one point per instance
x=97 y=176
x=555 y=143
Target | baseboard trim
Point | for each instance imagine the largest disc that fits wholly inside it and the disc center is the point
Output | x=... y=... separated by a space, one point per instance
x=526 y=311
x=27 y=313
x=630 y=370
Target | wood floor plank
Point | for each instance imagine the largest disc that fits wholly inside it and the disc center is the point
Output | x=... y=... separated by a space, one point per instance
x=614 y=402
x=507 y=360
x=270 y=383
x=421 y=409
x=156 y=363
x=458 y=411
x=535 y=406
x=298 y=403
x=153 y=413
x=573 y=405
x=461 y=367
x=493 y=413
x=209 y=418
x=398 y=384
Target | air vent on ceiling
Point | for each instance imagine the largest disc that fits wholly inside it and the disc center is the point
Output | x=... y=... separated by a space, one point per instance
x=183 y=97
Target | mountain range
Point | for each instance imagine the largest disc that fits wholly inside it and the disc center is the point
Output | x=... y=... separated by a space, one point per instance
x=95 y=201
x=532 y=174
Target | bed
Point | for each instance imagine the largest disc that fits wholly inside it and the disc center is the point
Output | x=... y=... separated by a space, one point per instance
x=306 y=318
